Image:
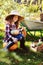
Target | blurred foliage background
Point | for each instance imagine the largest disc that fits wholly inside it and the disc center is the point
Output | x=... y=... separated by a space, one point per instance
x=25 y=7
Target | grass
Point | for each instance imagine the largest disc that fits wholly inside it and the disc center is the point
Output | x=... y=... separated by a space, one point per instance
x=19 y=57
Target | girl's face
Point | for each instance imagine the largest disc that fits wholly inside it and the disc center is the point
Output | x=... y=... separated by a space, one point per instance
x=15 y=18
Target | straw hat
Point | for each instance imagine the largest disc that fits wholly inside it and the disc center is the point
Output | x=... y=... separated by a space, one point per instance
x=14 y=12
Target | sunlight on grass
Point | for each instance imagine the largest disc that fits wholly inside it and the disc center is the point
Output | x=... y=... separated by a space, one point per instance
x=3 y=53
x=1 y=34
x=18 y=44
x=5 y=60
x=27 y=43
x=3 y=57
x=37 y=33
x=2 y=26
x=17 y=57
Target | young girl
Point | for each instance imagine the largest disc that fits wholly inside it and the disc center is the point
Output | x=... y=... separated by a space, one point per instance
x=13 y=32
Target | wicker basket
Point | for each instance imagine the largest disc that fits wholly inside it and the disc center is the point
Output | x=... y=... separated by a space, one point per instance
x=40 y=48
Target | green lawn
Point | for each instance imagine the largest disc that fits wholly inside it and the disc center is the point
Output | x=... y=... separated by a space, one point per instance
x=20 y=57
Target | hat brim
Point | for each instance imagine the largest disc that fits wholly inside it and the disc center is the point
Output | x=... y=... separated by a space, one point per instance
x=8 y=17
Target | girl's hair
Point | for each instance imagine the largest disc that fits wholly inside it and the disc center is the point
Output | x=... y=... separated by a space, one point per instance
x=10 y=18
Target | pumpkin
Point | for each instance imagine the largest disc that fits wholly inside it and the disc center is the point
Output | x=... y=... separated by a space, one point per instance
x=13 y=47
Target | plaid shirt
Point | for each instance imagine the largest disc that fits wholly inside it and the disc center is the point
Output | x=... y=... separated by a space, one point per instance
x=8 y=34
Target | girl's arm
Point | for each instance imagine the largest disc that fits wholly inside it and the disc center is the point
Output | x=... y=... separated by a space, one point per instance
x=8 y=32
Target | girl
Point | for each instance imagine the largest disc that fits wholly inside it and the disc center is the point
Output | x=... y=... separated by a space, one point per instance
x=13 y=32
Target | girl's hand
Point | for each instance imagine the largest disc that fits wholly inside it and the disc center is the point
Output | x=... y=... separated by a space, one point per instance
x=24 y=31
x=14 y=39
x=5 y=44
x=23 y=28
